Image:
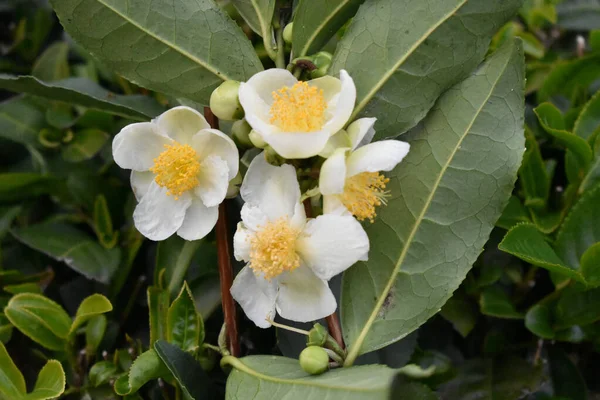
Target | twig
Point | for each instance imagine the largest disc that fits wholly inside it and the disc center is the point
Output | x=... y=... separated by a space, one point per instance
x=224 y=261
x=333 y=322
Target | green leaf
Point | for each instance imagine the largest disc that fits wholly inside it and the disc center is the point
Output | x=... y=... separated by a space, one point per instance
x=589 y=118
x=513 y=214
x=158 y=305
x=103 y=223
x=567 y=77
x=73 y=247
x=50 y=382
x=94 y=332
x=461 y=313
x=403 y=389
x=39 y=318
x=85 y=145
x=316 y=22
x=146 y=367
x=52 y=65
x=409 y=50
x=102 y=372
x=495 y=303
x=592 y=178
x=26 y=287
x=455 y=201
x=260 y=376
x=539 y=320
x=527 y=243
x=174 y=255
x=579 y=14
x=21 y=119
x=90 y=307
x=16 y=186
x=552 y=121
x=185 y=328
x=590 y=264
x=5 y=329
x=580 y=230
x=83 y=92
x=567 y=381
x=534 y=178
x=12 y=383
x=185 y=51
x=186 y=370
x=258 y=14
x=576 y=307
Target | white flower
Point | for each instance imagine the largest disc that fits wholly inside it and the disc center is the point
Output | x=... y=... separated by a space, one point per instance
x=181 y=170
x=350 y=179
x=289 y=258
x=297 y=118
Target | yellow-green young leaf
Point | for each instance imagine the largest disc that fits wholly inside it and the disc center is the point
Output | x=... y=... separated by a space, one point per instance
x=50 y=382
x=102 y=372
x=12 y=383
x=257 y=377
x=460 y=173
x=590 y=264
x=185 y=50
x=85 y=145
x=258 y=14
x=316 y=22
x=52 y=65
x=27 y=287
x=94 y=332
x=39 y=318
x=185 y=327
x=589 y=118
x=146 y=367
x=90 y=307
x=402 y=54
x=5 y=329
x=158 y=305
x=103 y=223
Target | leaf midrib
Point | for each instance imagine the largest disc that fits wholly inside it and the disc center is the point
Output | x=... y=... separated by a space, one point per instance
x=183 y=52
x=401 y=61
x=321 y=27
x=356 y=346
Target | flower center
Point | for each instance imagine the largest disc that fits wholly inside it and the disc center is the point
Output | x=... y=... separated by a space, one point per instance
x=273 y=249
x=363 y=192
x=177 y=169
x=300 y=108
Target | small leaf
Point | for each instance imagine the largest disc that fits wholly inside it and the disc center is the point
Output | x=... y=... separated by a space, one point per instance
x=187 y=371
x=158 y=305
x=50 y=382
x=174 y=255
x=5 y=329
x=514 y=213
x=90 y=307
x=103 y=223
x=52 y=65
x=21 y=119
x=94 y=332
x=146 y=367
x=85 y=145
x=185 y=328
x=495 y=303
x=534 y=178
x=39 y=318
x=567 y=381
x=258 y=14
x=590 y=264
x=576 y=307
x=589 y=118
x=539 y=321
x=12 y=383
x=461 y=313
x=102 y=372
x=7 y=216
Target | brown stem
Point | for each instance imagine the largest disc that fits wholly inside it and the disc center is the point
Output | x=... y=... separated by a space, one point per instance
x=333 y=322
x=224 y=261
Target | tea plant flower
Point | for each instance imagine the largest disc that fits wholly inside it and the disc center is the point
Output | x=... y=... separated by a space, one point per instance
x=289 y=258
x=297 y=118
x=181 y=170
x=350 y=179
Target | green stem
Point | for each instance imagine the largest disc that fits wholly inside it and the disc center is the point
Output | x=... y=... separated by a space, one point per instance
x=269 y=48
x=280 y=59
x=212 y=347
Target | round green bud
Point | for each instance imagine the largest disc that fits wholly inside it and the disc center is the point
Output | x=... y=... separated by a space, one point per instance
x=225 y=103
x=322 y=61
x=287 y=32
x=257 y=139
x=240 y=132
x=317 y=336
x=314 y=360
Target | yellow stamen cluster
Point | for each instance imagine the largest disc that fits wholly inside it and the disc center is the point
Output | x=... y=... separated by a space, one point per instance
x=273 y=249
x=300 y=108
x=177 y=169
x=363 y=193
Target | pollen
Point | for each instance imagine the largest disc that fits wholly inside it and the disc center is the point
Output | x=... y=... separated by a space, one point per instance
x=273 y=249
x=177 y=169
x=300 y=108
x=363 y=193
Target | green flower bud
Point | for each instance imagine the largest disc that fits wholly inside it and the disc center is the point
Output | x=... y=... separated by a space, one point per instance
x=287 y=32
x=314 y=360
x=240 y=133
x=317 y=336
x=322 y=61
x=257 y=139
x=225 y=103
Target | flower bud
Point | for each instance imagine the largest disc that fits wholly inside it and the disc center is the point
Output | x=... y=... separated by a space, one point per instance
x=314 y=360
x=317 y=336
x=287 y=32
x=225 y=103
x=257 y=139
x=322 y=61
x=240 y=133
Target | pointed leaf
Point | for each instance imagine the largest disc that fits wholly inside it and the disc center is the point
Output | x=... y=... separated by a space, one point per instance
x=577 y=308
x=539 y=321
x=174 y=255
x=5 y=329
x=94 y=332
x=146 y=367
x=589 y=118
x=460 y=174
x=21 y=119
x=258 y=14
x=50 y=382
x=534 y=178
x=513 y=214
x=90 y=307
x=185 y=49
x=409 y=50
x=103 y=223
x=158 y=305
x=12 y=383
x=185 y=328
x=52 y=65
x=590 y=264
x=102 y=372
x=567 y=77
x=495 y=303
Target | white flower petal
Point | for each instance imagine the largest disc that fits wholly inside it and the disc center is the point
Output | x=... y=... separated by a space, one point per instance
x=332 y=177
x=209 y=142
x=361 y=132
x=340 y=108
x=241 y=243
x=330 y=244
x=256 y=295
x=303 y=297
x=199 y=221
x=333 y=205
x=299 y=219
x=253 y=217
x=339 y=140
x=212 y=181
x=294 y=145
x=158 y=216
x=274 y=190
x=140 y=182
x=375 y=157
x=181 y=123
x=137 y=145
x=331 y=86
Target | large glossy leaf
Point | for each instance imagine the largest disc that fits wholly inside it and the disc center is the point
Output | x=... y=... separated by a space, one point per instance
x=258 y=377
x=90 y=307
x=316 y=22
x=21 y=119
x=258 y=14
x=402 y=54
x=459 y=175
x=73 y=247
x=185 y=49
x=83 y=92
x=50 y=382
x=12 y=383
x=185 y=328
